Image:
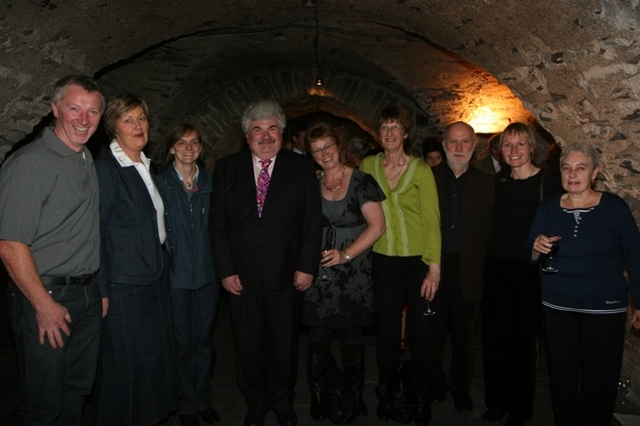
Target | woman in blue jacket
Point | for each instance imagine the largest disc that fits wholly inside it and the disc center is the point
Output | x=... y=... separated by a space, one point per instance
x=136 y=382
x=186 y=189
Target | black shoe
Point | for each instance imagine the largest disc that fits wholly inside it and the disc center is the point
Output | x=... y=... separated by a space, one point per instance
x=493 y=414
x=288 y=418
x=188 y=420
x=362 y=407
x=423 y=411
x=384 y=406
x=437 y=396
x=462 y=402
x=254 y=418
x=209 y=416
x=384 y=410
x=319 y=407
x=516 y=420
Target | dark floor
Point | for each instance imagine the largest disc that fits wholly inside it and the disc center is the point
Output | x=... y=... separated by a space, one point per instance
x=230 y=404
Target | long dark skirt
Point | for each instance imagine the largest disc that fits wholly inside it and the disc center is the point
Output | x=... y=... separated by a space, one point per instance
x=137 y=381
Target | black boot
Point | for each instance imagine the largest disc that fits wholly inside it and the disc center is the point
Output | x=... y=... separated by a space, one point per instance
x=384 y=405
x=347 y=403
x=343 y=401
x=402 y=396
x=423 y=410
x=319 y=374
x=353 y=356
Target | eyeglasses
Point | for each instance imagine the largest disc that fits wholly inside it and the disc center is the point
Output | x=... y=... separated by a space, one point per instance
x=325 y=149
x=518 y=146
x=391 y=128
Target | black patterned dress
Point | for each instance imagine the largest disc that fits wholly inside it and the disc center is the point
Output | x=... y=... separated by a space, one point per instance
x=345 y=300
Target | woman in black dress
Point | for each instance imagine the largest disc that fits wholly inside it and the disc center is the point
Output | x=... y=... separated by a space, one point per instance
x=342 y=297
x=512 y=310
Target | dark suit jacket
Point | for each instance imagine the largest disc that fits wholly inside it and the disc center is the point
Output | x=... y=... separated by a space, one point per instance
x=285 y=239
x=475 y=227
x=486 y=165
x=130 y=250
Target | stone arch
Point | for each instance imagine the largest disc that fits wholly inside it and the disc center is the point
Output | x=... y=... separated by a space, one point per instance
x=343 y=95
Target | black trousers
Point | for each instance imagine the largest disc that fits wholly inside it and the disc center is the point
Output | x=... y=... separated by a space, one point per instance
x=453 y=313
x=585 y=356
x=396 y=282
x=512 y=318
x=265 y=327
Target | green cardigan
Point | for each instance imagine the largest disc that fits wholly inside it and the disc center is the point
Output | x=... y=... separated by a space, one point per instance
x=411 y=211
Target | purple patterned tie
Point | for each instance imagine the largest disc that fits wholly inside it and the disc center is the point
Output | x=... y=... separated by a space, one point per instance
x=262 y=185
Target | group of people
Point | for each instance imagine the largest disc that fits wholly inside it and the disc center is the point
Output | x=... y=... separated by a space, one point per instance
x=111 y=282
x=115 y=270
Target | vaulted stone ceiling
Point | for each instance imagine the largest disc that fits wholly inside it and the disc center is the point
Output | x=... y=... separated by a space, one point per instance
x=574 y=64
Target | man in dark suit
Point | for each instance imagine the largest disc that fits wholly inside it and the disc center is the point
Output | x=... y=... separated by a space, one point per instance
x=466 y=197
x=266 y=232
x=492 y=162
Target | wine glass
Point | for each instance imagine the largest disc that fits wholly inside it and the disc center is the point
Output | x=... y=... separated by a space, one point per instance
x=329 y=243
x=548 y=267
x=428 y=311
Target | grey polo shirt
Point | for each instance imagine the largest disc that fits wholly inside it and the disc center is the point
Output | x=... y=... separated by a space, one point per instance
x=49 y=201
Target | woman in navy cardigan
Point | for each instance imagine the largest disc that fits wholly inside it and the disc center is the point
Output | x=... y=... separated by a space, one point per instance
x=186 y=189
x=136 y=382
x=585 y=300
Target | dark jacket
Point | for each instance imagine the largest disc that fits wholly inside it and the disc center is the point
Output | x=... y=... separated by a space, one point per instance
x=187 y=224
x=475 y=227
x=130 y=249
x=287 y=236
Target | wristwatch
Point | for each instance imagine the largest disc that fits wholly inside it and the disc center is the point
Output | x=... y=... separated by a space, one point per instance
x=347 y=258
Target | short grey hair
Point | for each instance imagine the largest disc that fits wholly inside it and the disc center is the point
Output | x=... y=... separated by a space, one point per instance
x=263 y=110
x=85 y=82
x=592 y=154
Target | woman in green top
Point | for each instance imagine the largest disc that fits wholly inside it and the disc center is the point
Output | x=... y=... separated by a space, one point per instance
x=406 y=261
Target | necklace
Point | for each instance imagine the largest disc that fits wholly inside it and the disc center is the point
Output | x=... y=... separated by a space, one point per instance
x=339 y=183
x=534 y=170
x=189 y=185
x=401 y=166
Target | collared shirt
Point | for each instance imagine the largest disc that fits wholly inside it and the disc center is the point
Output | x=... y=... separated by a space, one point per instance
x=257 y=166
x=143 y=169
x=451 y=205
x=195 y=176
x=49 y=200
x=497 y=166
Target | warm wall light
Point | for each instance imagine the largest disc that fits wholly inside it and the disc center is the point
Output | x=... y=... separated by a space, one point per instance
x=486 y=120
x=488 y=107
x=319 y=81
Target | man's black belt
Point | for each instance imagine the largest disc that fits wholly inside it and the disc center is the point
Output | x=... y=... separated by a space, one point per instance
x=81 y=280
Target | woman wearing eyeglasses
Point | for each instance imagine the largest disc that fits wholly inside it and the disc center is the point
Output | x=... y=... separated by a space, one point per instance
x=341 y=298
x=512 y=310
x=406 y=264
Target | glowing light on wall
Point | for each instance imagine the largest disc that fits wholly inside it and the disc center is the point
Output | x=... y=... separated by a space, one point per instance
x=486 y=120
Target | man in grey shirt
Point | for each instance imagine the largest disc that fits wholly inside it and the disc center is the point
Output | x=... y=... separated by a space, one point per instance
x=50 y=246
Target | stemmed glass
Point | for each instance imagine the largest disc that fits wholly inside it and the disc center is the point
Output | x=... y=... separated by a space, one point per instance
x=329 y=243
x=428 y=311
x=548 y=267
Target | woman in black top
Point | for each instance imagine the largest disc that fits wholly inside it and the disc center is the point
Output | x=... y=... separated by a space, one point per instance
x=512 y=313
